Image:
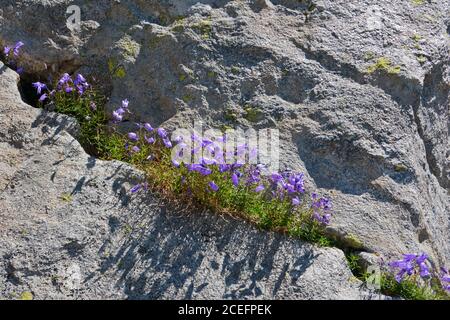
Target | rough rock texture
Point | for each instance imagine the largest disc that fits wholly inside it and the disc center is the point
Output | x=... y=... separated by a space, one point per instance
x=69 y=229
x=378 y=142
x=375 y=139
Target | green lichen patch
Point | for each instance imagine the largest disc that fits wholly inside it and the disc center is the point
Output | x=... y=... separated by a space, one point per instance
x=252 y=114
x=128 y=47
x=26 y=295
x=235 y=70
x=66 y=197
x=422 y=59
x=352 y=241
x=400 y=167
x=116 y=70
x=385 y=65
x=203 y=27
x=231 y=114
x=417 y=2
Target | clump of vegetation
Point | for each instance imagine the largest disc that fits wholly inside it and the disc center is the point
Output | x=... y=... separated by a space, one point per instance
x=409 y=278
x=410 y=289
x=12 y=56
x=310 y=7
x=384 y=64
x=354 y=264
x=277 y=202
x=415 y=279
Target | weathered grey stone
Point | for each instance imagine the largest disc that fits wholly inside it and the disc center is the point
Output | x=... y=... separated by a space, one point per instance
x=69 y=229
x=377 y=142
x=367 y=260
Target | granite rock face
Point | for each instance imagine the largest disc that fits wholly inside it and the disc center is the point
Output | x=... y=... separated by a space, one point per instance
x=358 y=89
x=70 y=230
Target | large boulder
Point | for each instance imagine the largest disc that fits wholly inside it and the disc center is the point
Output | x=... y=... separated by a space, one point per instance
x=69 y=229
x=358 y=89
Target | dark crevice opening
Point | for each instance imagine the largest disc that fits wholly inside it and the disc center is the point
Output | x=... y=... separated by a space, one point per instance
x=28 y=92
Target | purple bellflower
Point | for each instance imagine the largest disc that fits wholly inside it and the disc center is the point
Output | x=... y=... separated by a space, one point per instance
x=39 y=86
x=409 y=265
x=16 y=50
x=133 y=136
x=214 y=187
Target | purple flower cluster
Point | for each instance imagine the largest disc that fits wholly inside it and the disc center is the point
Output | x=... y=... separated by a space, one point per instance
x=65 y=84
x=12 y=54
x=149 y=134
x=69 y=85
x=120 y=112
x=139 y=186
x=445 y=279
x=293 y=185
x=322 y=208
x=288 y=183
x=411 y=264
x=209 y=157
x=14 y=50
